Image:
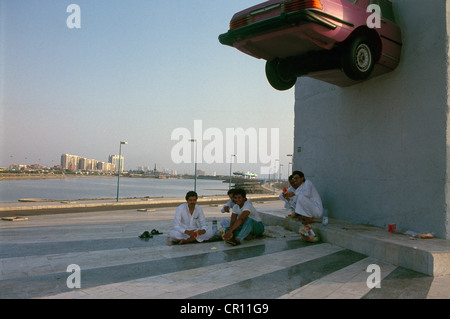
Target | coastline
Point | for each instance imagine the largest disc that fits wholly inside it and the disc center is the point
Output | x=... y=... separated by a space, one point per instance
x=9 y=176
x=50 y=195
x=12 y=176
x=47 y=207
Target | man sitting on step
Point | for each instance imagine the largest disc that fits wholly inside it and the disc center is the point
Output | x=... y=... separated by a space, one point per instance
x=190 y=222
x=308 y=203
x=245 y=220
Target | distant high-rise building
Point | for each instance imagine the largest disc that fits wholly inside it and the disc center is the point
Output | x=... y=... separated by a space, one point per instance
x=114 y=160
x=75 y=162
x=87 y=164
x=82 y=163
x=70 y=161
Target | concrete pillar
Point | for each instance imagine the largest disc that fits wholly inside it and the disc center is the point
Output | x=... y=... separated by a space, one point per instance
x=379 y=151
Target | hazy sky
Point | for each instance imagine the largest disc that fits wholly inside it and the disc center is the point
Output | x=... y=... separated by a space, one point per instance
x=135 y=71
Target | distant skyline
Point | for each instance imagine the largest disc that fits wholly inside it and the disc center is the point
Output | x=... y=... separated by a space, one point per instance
x=135 y=71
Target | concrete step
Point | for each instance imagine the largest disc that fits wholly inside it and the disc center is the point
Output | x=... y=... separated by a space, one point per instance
x=115 y=263
x=428 y=256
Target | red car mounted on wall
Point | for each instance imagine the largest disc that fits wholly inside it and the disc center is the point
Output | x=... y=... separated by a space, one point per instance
x=330 y=40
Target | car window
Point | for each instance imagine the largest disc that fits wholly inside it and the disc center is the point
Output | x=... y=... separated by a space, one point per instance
x=352 y=1
x=386 y=9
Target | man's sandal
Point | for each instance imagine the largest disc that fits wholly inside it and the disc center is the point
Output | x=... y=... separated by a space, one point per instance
x=233 y=242
x=145 y=235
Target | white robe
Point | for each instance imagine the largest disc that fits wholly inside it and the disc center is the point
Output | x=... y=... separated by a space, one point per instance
x=289 y=204
x=308 y=202
x=185 y=221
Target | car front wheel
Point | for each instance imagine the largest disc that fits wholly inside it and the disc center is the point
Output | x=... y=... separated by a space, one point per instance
x=279 y=75
x=358 y=58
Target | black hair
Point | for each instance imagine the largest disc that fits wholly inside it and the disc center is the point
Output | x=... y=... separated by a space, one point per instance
x=299 y=173
x=191 y=194
x=240 y=191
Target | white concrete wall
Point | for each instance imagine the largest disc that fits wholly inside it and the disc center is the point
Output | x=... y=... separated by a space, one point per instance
x=378 y=151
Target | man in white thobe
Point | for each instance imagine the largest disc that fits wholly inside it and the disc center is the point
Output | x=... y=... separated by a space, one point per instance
x=190 y=222
x=289 y=198
x=308 y=203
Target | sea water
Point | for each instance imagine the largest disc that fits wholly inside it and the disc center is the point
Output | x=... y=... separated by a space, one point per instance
x=73 y=188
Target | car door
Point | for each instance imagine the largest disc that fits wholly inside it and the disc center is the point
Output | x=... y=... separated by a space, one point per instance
x=390 y=34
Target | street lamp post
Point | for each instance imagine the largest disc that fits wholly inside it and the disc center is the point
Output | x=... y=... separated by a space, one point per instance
x=231 y=162
x=275 y=175
x=292 y=159
x=194 y=140
x=118 y=170
x=279 y=177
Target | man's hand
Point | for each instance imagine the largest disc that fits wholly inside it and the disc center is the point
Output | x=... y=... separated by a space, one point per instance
x=189 y=232
x=228 y=235
x=287 y=196
x=290 y=194
x=201 y=232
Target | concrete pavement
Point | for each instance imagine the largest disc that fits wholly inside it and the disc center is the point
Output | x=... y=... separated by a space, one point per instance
x=113 y=262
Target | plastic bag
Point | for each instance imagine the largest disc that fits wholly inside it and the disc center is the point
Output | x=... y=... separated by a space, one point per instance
x=308 y=234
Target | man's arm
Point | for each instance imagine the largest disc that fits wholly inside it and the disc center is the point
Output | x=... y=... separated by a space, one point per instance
x=227 y=207
x=237 y=222
x=202 y=221
x=241 y=220
x=177 y=224
x=233 y=219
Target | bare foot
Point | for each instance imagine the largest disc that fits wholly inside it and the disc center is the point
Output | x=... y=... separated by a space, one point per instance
x=186 y=241
x=306 y=220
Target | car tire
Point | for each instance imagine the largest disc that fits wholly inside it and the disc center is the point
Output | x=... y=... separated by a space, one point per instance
x=279 y=75
x=358 y=58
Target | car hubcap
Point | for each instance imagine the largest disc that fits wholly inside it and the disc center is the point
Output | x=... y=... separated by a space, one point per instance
x=363 y=57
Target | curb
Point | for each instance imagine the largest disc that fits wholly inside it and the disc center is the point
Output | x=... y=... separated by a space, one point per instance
x=427 y=256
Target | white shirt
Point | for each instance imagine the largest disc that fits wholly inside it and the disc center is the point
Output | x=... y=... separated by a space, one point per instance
x=185 y=221
x=247 y=207
x=291 y=201
x=308 y=190
x=230 y=204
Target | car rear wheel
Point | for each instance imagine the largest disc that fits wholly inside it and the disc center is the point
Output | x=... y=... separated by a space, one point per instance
x=358 y=58
x=279 y=75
